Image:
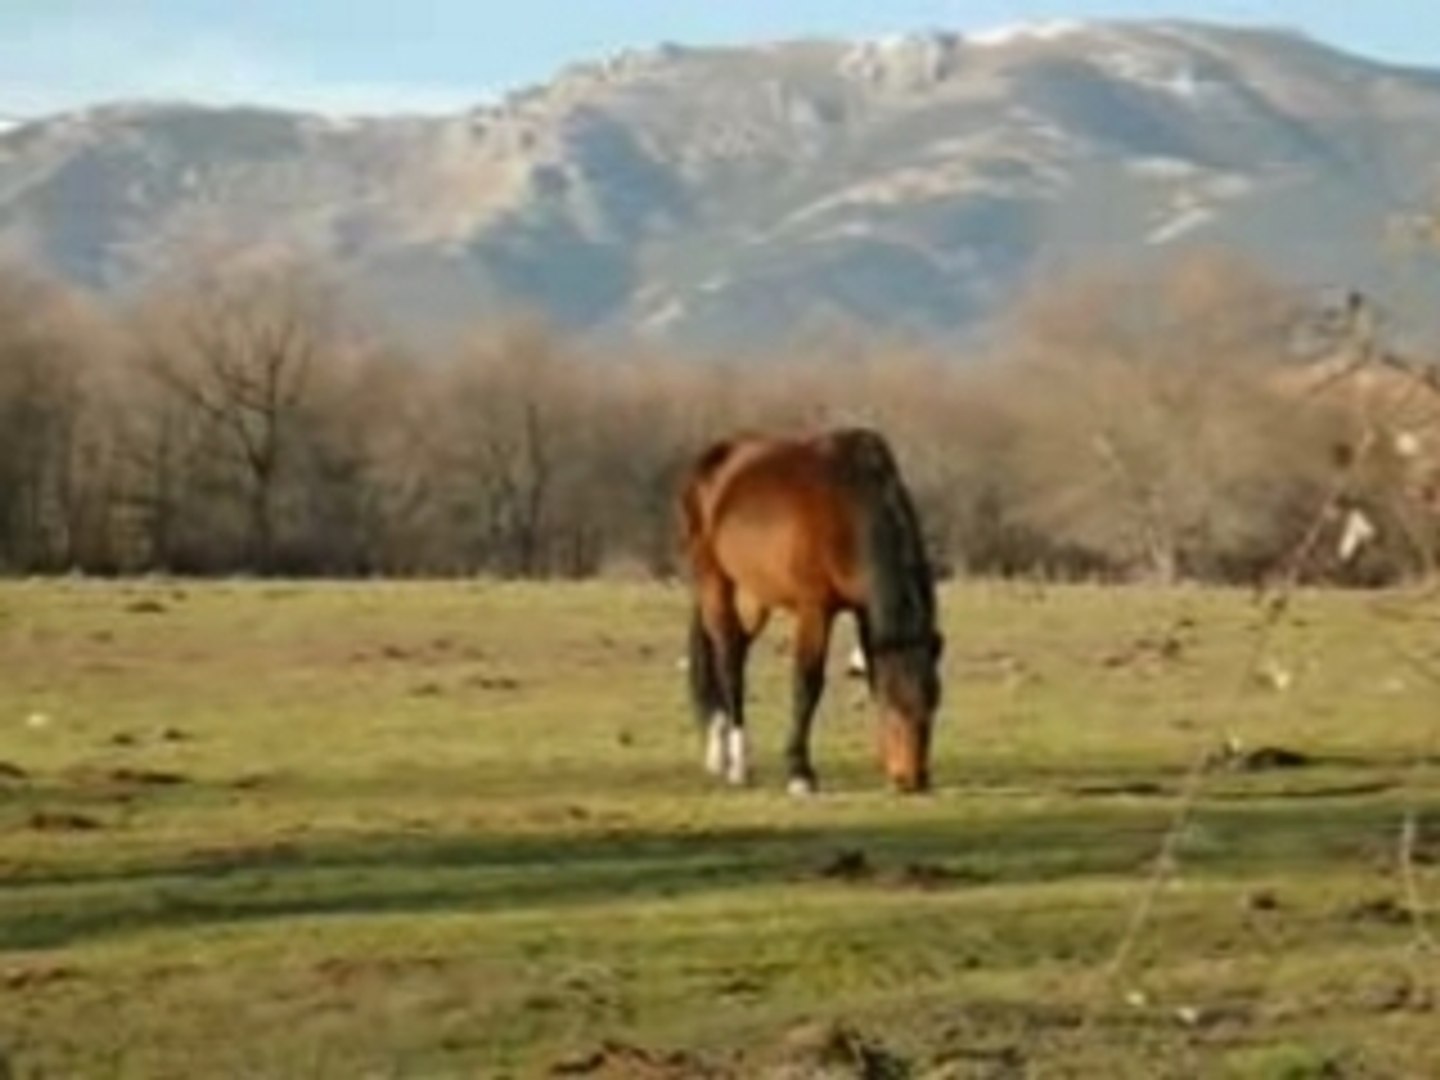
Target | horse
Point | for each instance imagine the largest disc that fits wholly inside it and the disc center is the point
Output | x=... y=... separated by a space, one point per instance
x=817 y=525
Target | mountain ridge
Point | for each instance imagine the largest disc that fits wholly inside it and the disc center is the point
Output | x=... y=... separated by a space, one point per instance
x=730 y=196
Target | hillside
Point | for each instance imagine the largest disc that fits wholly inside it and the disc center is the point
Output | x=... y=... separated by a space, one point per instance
x=739 y=196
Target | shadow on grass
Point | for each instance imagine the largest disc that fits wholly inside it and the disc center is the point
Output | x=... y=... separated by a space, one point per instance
x=418 y=872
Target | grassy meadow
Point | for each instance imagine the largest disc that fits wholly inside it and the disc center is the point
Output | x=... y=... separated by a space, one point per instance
x=461 y=829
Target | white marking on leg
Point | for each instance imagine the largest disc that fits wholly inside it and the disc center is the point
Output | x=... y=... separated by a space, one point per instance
x=716 y=749
x=800 y=787
x=738 y=766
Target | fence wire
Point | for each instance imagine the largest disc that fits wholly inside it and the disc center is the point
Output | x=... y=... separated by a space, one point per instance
x=1276 y=602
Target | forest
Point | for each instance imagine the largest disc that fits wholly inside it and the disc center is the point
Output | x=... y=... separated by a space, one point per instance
x=1185 y=423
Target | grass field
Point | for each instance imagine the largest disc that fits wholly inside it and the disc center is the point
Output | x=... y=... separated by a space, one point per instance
x=343 y=830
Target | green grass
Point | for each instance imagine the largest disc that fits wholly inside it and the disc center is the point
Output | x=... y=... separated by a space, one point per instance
x=460 y=829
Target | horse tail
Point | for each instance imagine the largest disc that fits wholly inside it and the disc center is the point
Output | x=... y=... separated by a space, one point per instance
x=706 y=697
x=901 y=605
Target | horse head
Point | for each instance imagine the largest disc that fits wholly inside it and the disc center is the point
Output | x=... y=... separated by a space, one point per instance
x=907 y=687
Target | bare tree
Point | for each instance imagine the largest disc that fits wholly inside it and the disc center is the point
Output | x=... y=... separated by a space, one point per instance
x=53 y=426
x=376 y=465
x=1132 y=423
x=239 y=351
x=1149 y=433
x=509 y=434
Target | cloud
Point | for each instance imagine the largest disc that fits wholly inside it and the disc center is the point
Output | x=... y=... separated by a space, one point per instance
x=61 y=67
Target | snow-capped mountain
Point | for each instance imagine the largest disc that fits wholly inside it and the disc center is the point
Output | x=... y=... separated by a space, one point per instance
x=742 y=195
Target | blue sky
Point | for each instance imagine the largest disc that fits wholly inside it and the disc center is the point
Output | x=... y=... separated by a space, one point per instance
x=428 y=55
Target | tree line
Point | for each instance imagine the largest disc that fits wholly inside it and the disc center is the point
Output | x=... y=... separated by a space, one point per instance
x=244 y=420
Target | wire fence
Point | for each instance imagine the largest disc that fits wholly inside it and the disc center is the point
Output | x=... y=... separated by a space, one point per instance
x=1276 y=601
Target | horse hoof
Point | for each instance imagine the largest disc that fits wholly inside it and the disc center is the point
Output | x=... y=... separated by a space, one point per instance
x=717 y=748
x=800 y=787
x=910 y=789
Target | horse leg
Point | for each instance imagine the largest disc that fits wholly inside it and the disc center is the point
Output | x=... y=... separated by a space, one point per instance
x=732 y=655
x=867 y=646
x=726 y=750
x=812 y=643
x=717 y=753
x=706 y=696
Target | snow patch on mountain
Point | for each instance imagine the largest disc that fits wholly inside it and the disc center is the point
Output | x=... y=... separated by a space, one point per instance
x=1162 y=72
x=1164 y=168
x=663 y=317
x=907 y=186
x=1023 y=32
x=1183 y=222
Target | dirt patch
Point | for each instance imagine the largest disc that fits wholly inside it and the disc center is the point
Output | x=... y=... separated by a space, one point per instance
x=63 y=821
x=1140 y=788
x=969 y=1062
x=613 y=1060
x=832 y=1051
x=35 y=977
x=1395 y=994
x=245 y=856
x=1323 y=791
x=1266 y=758
x=1261 y=900
x=740 y=986
x=925 y=875
x=146 y=778
x=1382 y=909
x=1159 y=649
x=146 y=607
x=1155 y=650
x=121 y=784
x=493 y=683
x=851 y=865
x=1231 y=758
x=964 y=1028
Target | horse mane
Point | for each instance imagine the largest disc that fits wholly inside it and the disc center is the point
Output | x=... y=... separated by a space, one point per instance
x=901 y=608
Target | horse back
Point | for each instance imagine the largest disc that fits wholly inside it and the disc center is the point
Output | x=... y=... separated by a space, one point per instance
x=777 y=517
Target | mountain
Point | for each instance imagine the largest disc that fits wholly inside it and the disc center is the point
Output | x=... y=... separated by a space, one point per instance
x=729 y=197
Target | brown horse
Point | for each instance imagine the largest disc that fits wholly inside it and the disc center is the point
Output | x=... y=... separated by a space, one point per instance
x=815 y=526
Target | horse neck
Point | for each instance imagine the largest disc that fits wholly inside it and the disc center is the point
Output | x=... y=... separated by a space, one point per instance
x=901 y=601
